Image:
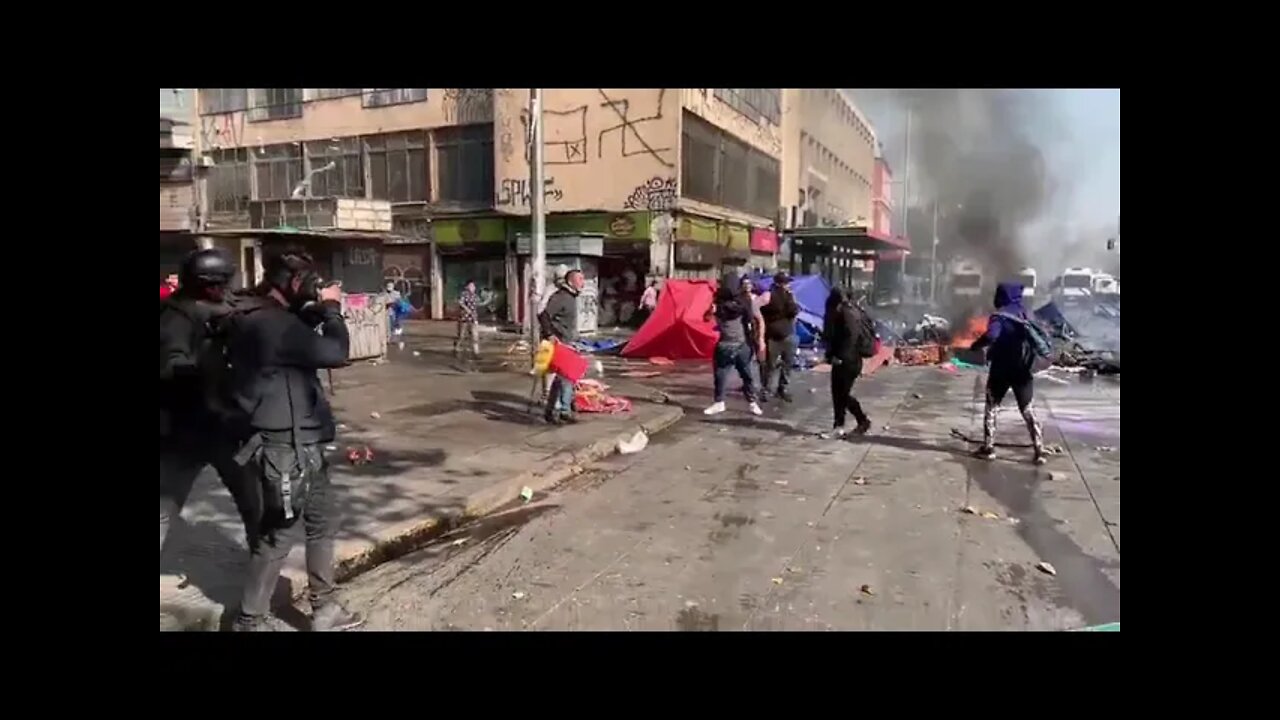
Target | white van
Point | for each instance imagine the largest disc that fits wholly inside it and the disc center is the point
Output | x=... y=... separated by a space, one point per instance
x=1027 y=277
x=966 y=278
x=1074 y=284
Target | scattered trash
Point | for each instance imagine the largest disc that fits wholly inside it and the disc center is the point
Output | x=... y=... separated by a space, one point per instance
x=417 y=354
x=330 y=448
x=640 y=374
x=777 y=581
x=1057 y=476
x=659 y=360
x=1014 y=521
x=885 y=428
x=916 y=395
x=526 y=493
x=990 y=515
x=458 y=542
x=1054 y=449
x=359 y=456
x=1046 y=568
x=591 y=396
x=811 y=524
x=518 y=595
x=859 y=481
x=1105 y=449
x=342 y=426
x=634 y=444
x=780 y=483
x=687 y=468
x=948 y=368
x=795 y=569
x=659 y=397
x=401 y=345
x=813 y=390
x=375 y=415
x=969 y=510
x=866 y=590
x=928 y=354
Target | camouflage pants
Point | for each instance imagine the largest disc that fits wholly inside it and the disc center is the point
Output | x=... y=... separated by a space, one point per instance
x=997 y=387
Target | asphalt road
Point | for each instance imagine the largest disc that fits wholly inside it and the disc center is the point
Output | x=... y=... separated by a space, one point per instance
x=743 y=523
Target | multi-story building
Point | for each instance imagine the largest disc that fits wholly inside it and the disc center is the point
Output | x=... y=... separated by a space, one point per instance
x=643 y=181
x=177 y=178
x=829 y=185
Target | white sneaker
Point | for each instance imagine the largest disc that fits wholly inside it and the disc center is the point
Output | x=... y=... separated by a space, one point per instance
x=755 y=408
x=833 y=434
x=715 y=409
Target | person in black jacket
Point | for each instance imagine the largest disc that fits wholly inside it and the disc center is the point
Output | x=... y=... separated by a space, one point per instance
x=780 y=338
x=275 y=353
x=843 y=332
x=559 y=322
x=192 y=434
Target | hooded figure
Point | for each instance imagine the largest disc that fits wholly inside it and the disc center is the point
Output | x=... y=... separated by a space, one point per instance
x=842 y=330
x=1010 y=354
x=741 y=337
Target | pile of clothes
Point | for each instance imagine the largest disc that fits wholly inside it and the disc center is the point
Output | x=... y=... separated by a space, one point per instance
x=591 y=396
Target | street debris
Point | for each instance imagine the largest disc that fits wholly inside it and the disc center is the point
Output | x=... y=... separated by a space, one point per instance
x=640 y=374
x=969 y=510
x=866 y=590
x=330 y=448
x=417 y=353
x=1105 y=449
x=927 y=354
x=795 y=569
x=687 y=468
x=458 y=542
x=1057 y=476
x=375 y=415
x=1014 y=521
x=658 y=397
x=777 y=581
x=518 y=595
x=634 y=444
x=916 y=395
x=400 y=345
x=1054 y=450
x=859 y=481
x=659 y=360
x=359 y=456
x=780 y=483
x=591 y=396
x=885 y=428
x=990 y=515
x=1046 y=568
x=526 y=493
x=813 y=391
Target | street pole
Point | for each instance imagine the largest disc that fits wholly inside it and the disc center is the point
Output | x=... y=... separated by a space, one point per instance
x=906 y=195
x=537 y=219
x=933 y=257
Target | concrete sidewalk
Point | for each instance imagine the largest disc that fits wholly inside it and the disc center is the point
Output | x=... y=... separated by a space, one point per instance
x=447 y=445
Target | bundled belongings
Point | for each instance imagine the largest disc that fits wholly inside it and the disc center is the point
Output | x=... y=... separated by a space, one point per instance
x=591 y=396
x=930 y=354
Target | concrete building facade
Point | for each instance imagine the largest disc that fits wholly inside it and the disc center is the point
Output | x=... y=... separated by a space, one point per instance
x=672 y=181
x=829 y=151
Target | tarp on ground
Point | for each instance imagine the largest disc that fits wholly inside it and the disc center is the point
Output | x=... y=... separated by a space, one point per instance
x=1051 y=315
x=676 y=328
x=811 y=293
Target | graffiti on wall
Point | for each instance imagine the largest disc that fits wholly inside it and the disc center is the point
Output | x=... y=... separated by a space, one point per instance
x=514 y=192
x=464 y=106
x=656 y=193
x=564 y=136
x=218 y=131
x=507 y=139
x=629 y=128
x=588 y=307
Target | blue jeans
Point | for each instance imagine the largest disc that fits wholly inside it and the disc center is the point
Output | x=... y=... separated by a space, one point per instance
x=734 y=357
x=560 y=398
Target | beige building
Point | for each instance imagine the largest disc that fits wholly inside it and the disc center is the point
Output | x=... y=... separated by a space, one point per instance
x=828 y=154
x=670 y=181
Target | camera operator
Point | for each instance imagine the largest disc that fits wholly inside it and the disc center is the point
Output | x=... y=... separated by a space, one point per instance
x=192 y=434
x=275 y=353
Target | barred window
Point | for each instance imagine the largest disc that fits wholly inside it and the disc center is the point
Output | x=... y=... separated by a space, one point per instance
x=398 y=166
x=228 y=183
x=700 y=159
x=464 y=163
x=757 y=104
x=223 y=100
x=766 y=187
x=734 y=174
x=275 y=104
x=278 y=169
x=380 y=97
x=346 y=179
x=331 y=93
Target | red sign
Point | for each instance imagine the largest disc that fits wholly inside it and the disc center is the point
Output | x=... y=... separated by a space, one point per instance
x=764 y=240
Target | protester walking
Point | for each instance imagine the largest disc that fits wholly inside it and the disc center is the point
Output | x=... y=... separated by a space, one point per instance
x=559 y=322
x=1011 y=354
x=848 y=338
x=780 y=339
x=741 y=341
x=468 y=322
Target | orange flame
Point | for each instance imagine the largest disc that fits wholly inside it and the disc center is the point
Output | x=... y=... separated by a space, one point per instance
x=974 y=329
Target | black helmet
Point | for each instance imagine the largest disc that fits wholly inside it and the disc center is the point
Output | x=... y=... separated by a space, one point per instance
x=206 y=267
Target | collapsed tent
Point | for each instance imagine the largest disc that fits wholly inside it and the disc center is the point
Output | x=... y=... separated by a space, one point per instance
x=677 y=329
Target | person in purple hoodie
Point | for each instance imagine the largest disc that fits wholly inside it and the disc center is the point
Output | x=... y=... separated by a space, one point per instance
x=1011 y=356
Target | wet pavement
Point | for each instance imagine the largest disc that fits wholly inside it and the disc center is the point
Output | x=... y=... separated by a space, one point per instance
x=736 y=522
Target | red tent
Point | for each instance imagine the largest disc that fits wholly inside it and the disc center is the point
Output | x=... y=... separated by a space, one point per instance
x=676 y=329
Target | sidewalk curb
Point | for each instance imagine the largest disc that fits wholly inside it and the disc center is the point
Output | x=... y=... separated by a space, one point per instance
x=401 y=540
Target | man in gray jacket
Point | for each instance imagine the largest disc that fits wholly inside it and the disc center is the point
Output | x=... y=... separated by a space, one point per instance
x=560 y=321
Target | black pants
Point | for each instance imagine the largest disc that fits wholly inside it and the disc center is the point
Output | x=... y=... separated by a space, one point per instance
x=182 y=461
x=842 y=402
x=780 y=356
x=998 y=385
x=318 y=523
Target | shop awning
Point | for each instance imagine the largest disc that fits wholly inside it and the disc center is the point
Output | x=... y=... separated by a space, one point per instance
x=848 y=239
x=332 y=233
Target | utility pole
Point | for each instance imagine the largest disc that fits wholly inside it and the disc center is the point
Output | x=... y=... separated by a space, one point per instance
x=537 y=219
x=906 y=195
x=933 y=257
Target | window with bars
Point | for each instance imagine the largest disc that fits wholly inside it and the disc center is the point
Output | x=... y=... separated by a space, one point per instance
x=228 y=181
x=331 y=93
x=223 y=100
x=275 y=104
x=766 y=185
x=381 y=97
x=346 y=179
x=756 y=104
x=278 y=169
x=398 y=166
x=720 y=169
x=464 y=164
x=734 y=175
x=700 y=159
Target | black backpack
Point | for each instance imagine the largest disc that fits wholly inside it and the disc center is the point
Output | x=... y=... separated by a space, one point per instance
x=866 y=344
x=211 y=342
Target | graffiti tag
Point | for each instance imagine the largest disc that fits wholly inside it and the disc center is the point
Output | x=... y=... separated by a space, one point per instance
x=516 y=192
x=657 y=193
